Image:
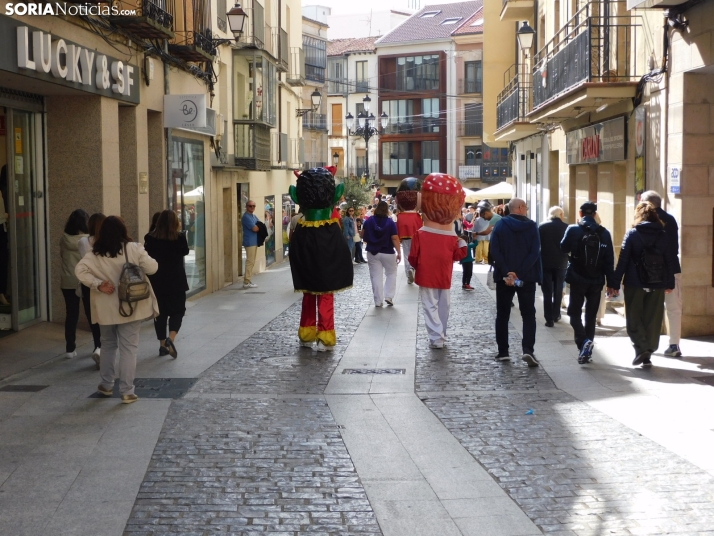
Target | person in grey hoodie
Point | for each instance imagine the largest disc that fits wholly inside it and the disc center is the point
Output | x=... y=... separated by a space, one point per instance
x=74 y=230
x=515 y=250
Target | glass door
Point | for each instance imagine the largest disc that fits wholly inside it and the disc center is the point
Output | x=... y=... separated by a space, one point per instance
x=23 y=197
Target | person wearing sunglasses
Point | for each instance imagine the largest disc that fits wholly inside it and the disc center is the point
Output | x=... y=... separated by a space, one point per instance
x=250 y=242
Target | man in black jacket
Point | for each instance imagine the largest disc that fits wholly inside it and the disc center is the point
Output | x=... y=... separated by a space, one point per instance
x=554 y=264
x=673 y=300
x=592 y=260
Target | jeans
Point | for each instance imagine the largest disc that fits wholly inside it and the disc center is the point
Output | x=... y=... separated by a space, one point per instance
x=526 y=303
x=468 y=273
x=590 y=295
x=644 y=312
x=125 y=338
x=358 y=252
x=71 y=307
x=552 y=288
x=379 y=265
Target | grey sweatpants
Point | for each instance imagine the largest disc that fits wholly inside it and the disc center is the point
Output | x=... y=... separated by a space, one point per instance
x=124 y=337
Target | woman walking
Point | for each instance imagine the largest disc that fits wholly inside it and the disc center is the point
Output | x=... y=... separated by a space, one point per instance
x=101 y=272
x=648 y=270
x=85 y=246
x=74 y=230
x=359 y=258
x=168 y=246
x=349 y=229
x=380 y=233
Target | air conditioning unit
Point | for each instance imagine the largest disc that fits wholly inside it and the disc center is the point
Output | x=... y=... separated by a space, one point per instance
x=653 y=4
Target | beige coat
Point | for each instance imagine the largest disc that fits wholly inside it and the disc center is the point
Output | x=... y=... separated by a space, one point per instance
x=92 y=270
x=69 y=253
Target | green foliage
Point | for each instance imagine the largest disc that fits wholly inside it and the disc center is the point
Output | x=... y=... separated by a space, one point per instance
x=356 y=193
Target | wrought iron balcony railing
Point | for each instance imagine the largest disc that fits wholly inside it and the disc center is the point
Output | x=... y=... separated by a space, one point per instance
x=594 y=46
x=296 y=72
x=252 y=146
x=471 y=129
x=154 y=19
x=313 y=121
x=254 y=28
x=514 y=102
x=337 y=86
x=359 y=86
x=469 y=85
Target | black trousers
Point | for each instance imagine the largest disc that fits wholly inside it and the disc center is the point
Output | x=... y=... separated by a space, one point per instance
x=552 y=288
x=358 y=252
x=96 y=333
x=526 y=303
x=590 y=295
x=71 y=308
x=468 y=273
x=172 y=308
x=644 y=312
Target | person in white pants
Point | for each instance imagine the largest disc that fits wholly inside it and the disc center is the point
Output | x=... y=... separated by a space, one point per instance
x=436 y=303
x=380 y=233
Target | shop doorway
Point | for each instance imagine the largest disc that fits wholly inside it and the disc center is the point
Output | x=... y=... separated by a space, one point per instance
x=23 y=290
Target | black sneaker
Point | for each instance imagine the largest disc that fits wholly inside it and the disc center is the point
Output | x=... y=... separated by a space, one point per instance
x=647 y=363
x=502 y=357
x=641 y=358
x=163 y=350
x=530 y=360
x=549 y=324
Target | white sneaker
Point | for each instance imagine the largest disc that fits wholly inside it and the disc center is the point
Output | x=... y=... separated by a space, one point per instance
x=250 y=285
x=378 y=304
x=70 y=355
x=304 y=344
x=323 y=348
x=436 y=345
x=95 y=356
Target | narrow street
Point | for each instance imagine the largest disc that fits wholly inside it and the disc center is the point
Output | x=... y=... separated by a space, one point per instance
x=382 y=436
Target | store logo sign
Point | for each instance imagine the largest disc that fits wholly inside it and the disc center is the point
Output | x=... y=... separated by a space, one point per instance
x=590 y=148
x=72 y=63
x=188 y=112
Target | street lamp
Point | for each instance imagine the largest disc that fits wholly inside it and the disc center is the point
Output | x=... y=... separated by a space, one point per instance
x=525 y=37
x=236 y=20
x=366 y=128
x=335 y=158
x=316 y=99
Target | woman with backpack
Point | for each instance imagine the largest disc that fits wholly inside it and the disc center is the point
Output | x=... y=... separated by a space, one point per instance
x=119 y=321
x=649 y=275
x=168 y=246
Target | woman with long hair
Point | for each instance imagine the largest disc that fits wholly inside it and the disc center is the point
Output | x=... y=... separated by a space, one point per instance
x=382 y=238
x=349 y=229
x=101 y=273
x=74 y=230
x=648 y=271
x=85 y=246
x=168 y=246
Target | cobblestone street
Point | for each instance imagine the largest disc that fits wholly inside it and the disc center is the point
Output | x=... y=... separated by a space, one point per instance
x=381 y=436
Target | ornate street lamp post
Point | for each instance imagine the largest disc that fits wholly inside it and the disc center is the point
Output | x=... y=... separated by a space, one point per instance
x=366 y=127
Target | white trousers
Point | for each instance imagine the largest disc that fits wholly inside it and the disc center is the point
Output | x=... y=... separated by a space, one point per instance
x=673 y=306
x=381 y=264
x=406 y=248
x=125 y=338
x=436 y=303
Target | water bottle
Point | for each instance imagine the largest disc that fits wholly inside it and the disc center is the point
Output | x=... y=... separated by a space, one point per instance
x=518 y=283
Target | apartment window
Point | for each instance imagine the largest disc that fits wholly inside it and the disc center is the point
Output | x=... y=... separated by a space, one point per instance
x=429 y=157
x=359 y=109
x=418 y=73
x=430 y=115
x=336 y=75
x=362 y=82
x=398 y=158
x=401 y=116
x=315 y=58
x=473 y=77
x=473 y=119
x=473 y=155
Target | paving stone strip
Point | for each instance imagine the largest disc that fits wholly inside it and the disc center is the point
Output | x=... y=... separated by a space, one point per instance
x=256 y=464
x=573 y=470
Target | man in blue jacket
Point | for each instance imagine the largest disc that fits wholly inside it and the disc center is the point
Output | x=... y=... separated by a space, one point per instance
x=591 y=261
x=515 y=250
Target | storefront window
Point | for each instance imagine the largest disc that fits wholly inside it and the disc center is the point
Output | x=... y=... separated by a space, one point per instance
x=270 y=224
x=288 y=209
x=189 y=203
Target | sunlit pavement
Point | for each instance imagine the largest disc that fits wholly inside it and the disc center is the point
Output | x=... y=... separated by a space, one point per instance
x=382 y=436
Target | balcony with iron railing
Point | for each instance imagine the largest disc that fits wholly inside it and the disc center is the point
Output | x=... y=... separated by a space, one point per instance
x=254 y=27
x=252 y=146
x=415 y=125
x=282 y=52
x=296 y=71
x=314 y=121
x=337 y=86
x=359 y=86
x=296 y=155
x=594 y=56
x=470 y=129
x=279 y=150
x=469 y=86
x=154 y=19
x=362 y=170
x=193 y=40
x=311 y=164
x=517 y=10
x=513 y=105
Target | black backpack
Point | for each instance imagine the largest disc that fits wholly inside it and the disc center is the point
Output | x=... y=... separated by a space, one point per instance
x=589 y=260
x=650 y=265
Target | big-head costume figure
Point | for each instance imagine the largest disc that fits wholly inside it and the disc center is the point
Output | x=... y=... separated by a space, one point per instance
x=434 y=250
x=320 y=260
x=408 y=220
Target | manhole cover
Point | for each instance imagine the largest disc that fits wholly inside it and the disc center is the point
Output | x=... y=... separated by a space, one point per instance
x=23 y=388
x=155 y=388
x=374 y=371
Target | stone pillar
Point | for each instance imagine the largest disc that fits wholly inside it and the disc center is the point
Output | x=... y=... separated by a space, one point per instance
x=157 y=162
x=82 y=170
x=128 y=169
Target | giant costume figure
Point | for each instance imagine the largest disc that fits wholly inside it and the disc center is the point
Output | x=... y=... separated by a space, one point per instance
x=435 y=248
x=320 y=260
x=408 y=219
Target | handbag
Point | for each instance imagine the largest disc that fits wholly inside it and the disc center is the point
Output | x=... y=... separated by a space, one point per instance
x=133 y=286
x=490 y=283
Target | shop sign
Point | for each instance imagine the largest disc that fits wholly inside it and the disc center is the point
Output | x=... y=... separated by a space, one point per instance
x=675 y=179
x=38 y=54
x=602 y=142
x=189 y=112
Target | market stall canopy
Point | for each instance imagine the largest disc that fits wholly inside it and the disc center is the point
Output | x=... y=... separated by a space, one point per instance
x=502 y=190
x=191 y=197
